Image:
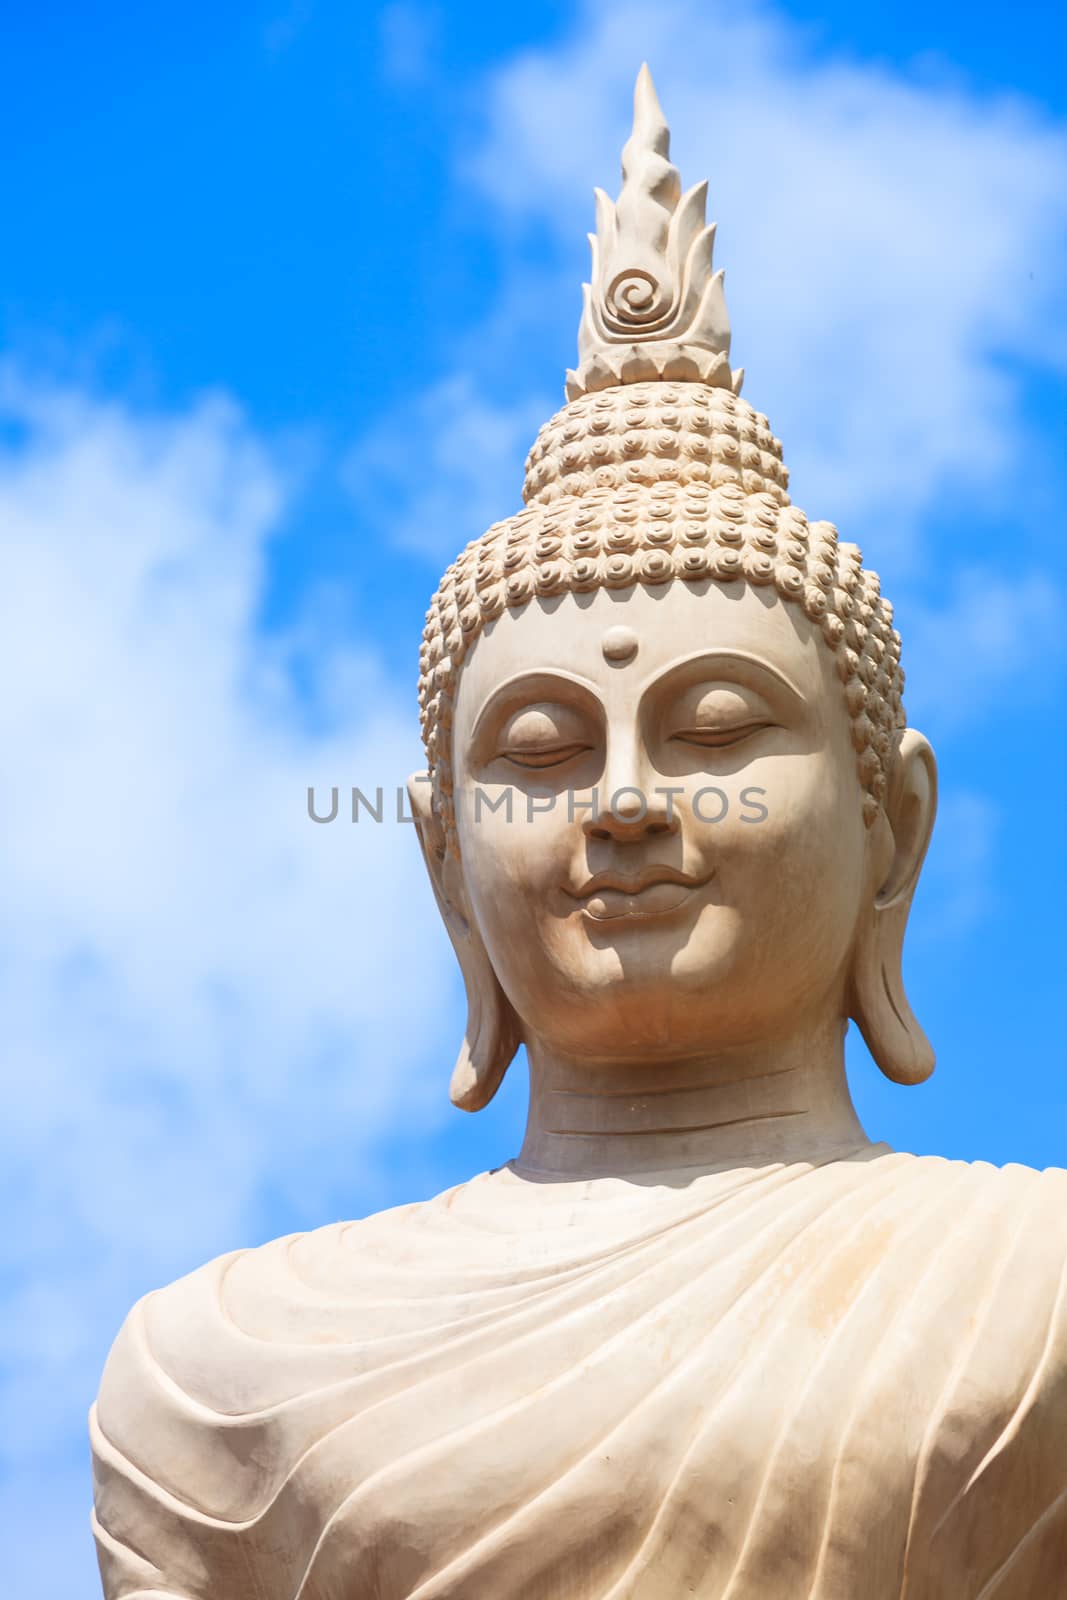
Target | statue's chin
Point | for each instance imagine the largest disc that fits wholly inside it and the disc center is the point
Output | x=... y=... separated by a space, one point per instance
x=670 y=945
x=624 y=986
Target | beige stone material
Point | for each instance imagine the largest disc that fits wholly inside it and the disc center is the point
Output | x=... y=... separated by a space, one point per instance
x=701 y=1336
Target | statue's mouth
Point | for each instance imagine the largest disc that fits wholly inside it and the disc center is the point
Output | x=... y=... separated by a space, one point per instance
x=611 y=897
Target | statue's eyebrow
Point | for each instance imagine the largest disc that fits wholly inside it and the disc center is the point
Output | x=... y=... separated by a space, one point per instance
x=739 y=664
x=526 y=687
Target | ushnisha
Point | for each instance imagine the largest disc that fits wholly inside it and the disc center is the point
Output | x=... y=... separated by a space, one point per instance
x=701 y=1336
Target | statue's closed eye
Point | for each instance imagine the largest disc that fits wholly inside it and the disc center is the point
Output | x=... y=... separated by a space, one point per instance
x=709 y=738
x=553 y=756
x=715 y=718
x=543 y=736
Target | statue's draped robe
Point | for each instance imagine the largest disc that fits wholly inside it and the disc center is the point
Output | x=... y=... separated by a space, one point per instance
x=845 y=1381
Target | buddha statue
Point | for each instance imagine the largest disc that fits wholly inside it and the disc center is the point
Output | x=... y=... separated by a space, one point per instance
x=702 y=1336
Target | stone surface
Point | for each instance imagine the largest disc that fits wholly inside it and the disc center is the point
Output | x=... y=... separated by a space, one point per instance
x=701 y=1336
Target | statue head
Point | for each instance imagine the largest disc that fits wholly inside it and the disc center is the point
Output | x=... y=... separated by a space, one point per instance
x=673 y=805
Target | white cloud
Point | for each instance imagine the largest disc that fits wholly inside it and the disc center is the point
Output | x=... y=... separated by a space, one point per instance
x=965 y=658
x=441 y=473
x=887 y=243
x=190 y=970
x=408 y=36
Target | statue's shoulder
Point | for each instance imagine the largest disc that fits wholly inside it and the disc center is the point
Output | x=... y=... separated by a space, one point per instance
x=249 y=1329
x=1021 y=1196
x=999 y=1233
x=1011 y=1181
x=988 y=1317
x=180 y=1341
x=215 y=1386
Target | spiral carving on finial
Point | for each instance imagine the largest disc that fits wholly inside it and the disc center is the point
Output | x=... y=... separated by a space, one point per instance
x=655 y=308
x=634 y=297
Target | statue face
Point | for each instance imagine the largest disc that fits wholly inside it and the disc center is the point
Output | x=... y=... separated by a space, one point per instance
x=620 y=917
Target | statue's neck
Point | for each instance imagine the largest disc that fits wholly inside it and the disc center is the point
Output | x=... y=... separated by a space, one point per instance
x=786 y=1101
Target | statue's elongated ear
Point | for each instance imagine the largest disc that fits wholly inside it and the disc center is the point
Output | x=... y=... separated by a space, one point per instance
x=492 y=1035
x=877 y=1000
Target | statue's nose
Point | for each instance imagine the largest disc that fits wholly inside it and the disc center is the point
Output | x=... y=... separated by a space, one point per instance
x=628 y=803
x=629 y=811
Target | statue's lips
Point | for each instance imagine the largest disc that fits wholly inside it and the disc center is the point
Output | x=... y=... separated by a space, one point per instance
x=607 y=897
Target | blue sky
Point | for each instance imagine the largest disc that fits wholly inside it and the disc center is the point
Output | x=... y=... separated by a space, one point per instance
x=286 y=293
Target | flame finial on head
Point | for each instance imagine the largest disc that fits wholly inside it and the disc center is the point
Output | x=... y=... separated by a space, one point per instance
x=655 y=309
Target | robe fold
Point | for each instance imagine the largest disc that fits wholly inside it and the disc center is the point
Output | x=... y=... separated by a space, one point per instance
x=844 y=1381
